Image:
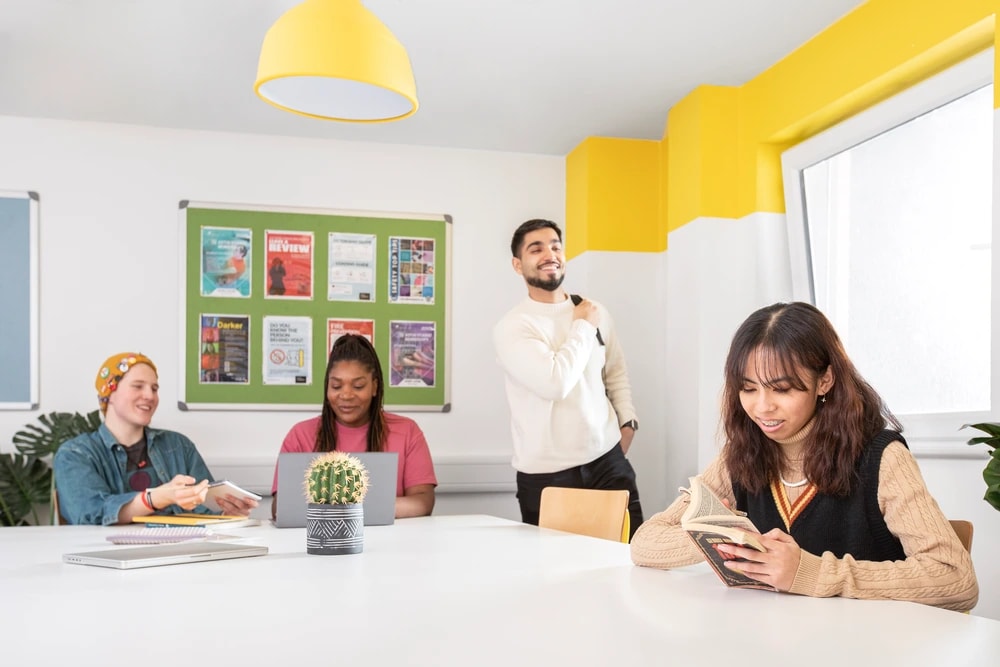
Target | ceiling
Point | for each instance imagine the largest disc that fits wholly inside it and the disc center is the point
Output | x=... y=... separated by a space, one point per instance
x=532 y=76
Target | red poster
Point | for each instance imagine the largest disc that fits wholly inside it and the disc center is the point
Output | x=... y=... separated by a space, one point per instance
x=288 y=265
x=337 y=328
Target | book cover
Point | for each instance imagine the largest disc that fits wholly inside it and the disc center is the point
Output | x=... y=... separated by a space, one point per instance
x=709 y=523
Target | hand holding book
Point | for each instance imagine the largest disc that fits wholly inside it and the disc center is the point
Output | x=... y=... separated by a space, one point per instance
x=711 y=524
x=224 y=496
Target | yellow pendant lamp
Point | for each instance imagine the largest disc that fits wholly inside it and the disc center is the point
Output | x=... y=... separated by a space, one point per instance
x=334 y=60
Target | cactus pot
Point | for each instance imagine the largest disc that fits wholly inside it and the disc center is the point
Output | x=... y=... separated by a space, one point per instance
x=335 y=529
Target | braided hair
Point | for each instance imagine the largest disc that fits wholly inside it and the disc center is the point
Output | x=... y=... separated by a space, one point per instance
x=351 y=347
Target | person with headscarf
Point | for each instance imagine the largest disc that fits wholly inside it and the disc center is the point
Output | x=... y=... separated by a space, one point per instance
x=125 y=468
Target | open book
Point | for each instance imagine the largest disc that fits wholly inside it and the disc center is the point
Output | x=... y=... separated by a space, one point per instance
x=709 y=522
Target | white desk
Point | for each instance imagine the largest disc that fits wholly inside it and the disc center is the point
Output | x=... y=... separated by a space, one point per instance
x=450 y=590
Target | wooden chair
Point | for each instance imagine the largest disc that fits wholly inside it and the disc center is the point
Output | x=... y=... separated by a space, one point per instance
x=592 y=512
x=57 y=517
x=963 y=529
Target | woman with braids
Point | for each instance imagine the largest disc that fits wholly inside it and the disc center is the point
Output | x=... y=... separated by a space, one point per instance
x=353 y=421
x=816 y=460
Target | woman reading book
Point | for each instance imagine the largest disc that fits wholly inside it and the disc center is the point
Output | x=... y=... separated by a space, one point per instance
x=126 y=469
x=837 y=496
x=353 y=420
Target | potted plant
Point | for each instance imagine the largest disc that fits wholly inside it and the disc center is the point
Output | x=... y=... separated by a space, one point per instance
x=26 y=480
x=336 y=484
x=991 y=474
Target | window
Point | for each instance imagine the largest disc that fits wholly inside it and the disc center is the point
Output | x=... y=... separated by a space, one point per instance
x=890 y=227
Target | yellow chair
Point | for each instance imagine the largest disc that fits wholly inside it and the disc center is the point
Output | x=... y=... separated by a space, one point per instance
x=963 y=529
x=593 y=512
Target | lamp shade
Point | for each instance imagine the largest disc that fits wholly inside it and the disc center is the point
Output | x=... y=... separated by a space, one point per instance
x=334 y=60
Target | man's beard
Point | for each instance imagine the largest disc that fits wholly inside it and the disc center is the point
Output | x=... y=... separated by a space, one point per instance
x=550 y=285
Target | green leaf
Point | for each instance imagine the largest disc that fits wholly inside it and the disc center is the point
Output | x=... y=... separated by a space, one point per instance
x=57 y=428
x=992 y=439
x=991 y=428
x=24 y=483
x=992 y=472
x=993 y=496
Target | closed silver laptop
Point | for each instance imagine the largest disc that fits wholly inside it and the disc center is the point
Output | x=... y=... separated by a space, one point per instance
x=380 y=501
x=164 y=554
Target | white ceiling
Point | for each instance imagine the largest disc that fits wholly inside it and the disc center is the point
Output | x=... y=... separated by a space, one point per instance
x=534 y=76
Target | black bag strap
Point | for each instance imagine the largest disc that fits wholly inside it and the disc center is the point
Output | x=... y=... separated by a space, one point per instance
x=576 y=299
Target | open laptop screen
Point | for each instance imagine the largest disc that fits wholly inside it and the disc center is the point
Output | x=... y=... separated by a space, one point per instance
x=380 y=501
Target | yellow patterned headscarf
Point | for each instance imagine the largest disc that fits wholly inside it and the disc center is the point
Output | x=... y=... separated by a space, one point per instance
x=113 y=370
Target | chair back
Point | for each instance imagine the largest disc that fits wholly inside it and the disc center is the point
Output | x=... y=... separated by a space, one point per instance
x=57 y=517
x=593 y=512
x=963 y=529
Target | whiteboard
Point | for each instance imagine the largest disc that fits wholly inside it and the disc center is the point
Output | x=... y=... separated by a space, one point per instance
x=18 y=300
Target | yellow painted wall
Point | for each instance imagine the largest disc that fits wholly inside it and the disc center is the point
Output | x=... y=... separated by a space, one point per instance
x=612 y=195
x=723 y=145
x=702 y=155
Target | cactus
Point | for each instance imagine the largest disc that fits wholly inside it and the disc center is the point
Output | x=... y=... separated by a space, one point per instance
x=336 y=478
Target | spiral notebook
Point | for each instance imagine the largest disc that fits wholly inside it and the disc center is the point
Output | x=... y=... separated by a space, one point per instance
x=167 y=535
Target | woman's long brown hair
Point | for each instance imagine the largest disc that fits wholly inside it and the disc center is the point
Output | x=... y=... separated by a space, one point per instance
x=795 y=339
x=350 y=347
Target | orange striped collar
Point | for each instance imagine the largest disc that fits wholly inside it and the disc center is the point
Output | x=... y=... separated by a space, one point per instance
x=790 y=511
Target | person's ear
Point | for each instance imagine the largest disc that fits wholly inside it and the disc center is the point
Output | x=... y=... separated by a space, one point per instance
x=826 y=382
x=516 y=263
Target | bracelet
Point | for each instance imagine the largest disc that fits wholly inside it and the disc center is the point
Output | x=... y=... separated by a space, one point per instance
x=147 y=500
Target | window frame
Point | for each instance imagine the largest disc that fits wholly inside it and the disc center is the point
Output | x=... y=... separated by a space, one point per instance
x=928 y=434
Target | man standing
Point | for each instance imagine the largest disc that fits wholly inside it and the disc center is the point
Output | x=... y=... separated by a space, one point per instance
x=571 y=410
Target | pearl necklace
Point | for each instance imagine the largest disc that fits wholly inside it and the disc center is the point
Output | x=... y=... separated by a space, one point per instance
x=805 y=480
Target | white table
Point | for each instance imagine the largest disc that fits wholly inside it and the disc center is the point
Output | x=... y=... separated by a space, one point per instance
x=449 y=590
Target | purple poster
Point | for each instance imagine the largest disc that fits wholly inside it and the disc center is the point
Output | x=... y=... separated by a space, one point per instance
x=412 y=349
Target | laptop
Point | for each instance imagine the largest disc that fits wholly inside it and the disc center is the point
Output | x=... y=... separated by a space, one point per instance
x=164 y=554
x=379 y=503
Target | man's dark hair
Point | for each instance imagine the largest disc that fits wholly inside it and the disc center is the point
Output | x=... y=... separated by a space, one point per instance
x=530 y=226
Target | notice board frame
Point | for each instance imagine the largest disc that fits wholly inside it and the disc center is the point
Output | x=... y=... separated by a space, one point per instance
x=253 y=394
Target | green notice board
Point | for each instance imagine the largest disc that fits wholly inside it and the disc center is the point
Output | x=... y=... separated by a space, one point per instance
x=265 y=291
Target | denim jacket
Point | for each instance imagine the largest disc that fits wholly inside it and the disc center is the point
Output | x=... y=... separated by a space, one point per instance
x=92 y=483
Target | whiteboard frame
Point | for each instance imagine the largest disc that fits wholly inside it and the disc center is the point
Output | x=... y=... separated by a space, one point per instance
x=33 y=310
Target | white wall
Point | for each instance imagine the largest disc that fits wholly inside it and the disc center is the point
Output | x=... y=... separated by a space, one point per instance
x=630 y=285
x=109 y=267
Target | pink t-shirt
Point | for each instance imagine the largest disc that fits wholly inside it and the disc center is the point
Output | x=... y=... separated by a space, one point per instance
x=404 y=437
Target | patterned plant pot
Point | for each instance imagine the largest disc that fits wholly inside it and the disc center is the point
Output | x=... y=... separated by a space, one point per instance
x=335 y=529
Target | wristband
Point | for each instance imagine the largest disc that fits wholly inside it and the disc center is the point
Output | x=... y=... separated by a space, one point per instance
x=147 y=500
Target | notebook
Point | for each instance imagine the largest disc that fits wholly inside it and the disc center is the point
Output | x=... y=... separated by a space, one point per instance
x=379 y=503
x=193 y=519
x=160 y=535
x=164 y=554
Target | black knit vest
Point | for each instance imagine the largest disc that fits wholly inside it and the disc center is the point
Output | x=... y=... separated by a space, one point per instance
x=844 y=525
